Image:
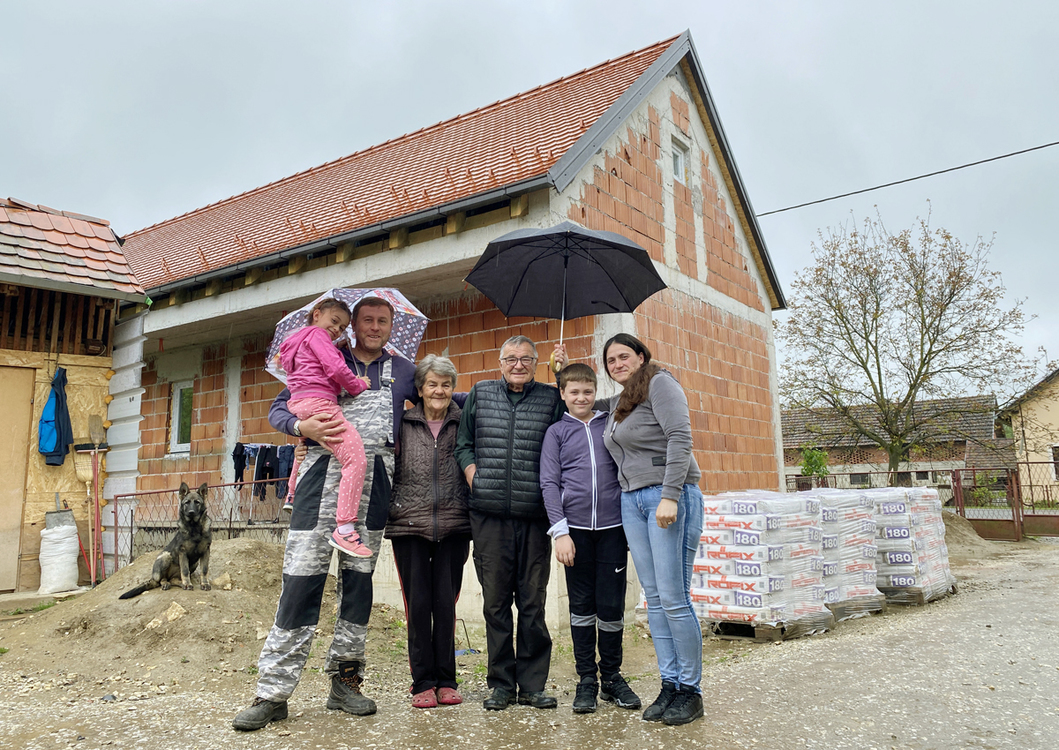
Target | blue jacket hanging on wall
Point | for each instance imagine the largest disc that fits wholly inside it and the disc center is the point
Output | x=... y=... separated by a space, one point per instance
x=54 y=429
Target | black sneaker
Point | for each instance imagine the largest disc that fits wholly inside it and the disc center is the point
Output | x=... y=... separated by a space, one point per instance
x=619 y=693
x=260 y=713
x=685 y=707
x=655 y=711
x=537 y=699
x=345 y=691
x=585 y=698
x=499 y=700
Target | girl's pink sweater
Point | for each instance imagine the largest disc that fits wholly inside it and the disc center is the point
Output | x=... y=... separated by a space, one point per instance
x=315 y=368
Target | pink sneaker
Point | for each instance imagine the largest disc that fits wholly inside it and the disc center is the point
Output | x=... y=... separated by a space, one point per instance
x=449 y=696
x=350 y=544
x=426 y=699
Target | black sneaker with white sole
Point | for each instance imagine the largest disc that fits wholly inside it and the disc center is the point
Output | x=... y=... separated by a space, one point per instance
x=618 y=692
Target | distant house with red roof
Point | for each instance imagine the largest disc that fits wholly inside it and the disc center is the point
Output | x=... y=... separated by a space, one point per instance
x=62 y=277
x=633 y=145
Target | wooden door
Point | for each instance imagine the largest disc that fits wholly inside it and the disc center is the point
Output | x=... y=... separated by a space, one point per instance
x=16 y=383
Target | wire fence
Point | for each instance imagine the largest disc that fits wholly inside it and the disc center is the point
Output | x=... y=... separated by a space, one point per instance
x=146 y=521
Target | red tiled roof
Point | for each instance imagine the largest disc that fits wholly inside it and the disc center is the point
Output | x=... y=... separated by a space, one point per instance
x=45 y=247
x=942 y=420
x=501 y=144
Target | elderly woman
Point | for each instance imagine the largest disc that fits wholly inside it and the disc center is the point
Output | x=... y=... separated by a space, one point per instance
x=430 y=531
x=648 y=433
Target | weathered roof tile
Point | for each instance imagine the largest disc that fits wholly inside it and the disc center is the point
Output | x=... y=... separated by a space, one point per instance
x=501 y=144
x=44 y=245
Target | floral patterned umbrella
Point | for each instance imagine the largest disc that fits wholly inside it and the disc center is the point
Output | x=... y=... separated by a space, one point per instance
x=409 y=324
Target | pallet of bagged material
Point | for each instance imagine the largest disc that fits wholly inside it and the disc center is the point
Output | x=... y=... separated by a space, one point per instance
x=811 y=624
x=861 y=606
x=916 y=595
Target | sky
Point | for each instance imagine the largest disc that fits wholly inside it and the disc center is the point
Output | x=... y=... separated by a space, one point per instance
x=140 y=111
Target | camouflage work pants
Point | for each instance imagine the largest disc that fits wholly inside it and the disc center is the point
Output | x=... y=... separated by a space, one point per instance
x=308 y=555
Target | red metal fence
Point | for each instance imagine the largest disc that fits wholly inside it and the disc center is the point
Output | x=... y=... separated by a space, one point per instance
x=146 y=520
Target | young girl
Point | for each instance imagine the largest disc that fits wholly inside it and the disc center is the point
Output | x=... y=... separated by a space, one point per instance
x=316 y=373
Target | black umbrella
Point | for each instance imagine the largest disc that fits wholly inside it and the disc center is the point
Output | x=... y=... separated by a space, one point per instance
x=564 y=272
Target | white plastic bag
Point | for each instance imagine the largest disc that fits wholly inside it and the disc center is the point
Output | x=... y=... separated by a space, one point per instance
x=58 y=559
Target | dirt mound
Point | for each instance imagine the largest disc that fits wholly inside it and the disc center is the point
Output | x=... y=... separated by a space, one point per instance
x=962 y=540
x=179 y=637
x=99 y=633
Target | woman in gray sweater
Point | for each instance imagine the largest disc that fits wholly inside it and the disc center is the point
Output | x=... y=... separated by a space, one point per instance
x=648 y=433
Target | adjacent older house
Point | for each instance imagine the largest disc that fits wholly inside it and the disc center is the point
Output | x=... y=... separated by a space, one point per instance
x=954 y=433
x=62 y=275
x=1034 y=421
x=633 y=145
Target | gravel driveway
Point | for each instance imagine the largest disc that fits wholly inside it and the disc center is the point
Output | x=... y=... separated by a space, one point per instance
x=977 y=670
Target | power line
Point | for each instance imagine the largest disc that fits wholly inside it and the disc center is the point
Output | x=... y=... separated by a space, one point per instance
x=910 y=179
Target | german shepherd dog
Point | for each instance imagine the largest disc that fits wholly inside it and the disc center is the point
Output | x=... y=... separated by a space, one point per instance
x=190 y=545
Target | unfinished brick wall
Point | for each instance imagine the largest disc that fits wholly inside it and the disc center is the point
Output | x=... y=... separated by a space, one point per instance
x=728 y=271
x=257 y=391
x=158 y=469
x=626 y=196
x=470 y=331
x=722 y=362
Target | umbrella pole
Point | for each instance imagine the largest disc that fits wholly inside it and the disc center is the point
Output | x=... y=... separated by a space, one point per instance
x=562 y=317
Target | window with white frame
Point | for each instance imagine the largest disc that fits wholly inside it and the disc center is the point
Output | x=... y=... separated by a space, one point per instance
x=680 y=163
x=180 y=398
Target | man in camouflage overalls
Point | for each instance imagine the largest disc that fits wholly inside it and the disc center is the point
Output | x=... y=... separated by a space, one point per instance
x=308 y=554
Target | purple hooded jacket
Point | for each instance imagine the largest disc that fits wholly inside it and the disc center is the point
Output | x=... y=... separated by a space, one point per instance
x=579 y=479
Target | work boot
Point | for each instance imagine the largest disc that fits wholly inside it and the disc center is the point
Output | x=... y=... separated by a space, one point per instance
x=537 y=699
x=655 y=711
x=685 y=707
x=345 y=691
x=619 y=693
x=260 y=713
x=585 y=698
x=499 y=700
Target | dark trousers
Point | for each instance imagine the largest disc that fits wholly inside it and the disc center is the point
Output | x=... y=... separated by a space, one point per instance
x=431 y=574
x=512 y=557
x=595 y=585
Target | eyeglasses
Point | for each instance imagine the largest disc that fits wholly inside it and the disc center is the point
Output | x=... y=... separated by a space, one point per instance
x=512 y=361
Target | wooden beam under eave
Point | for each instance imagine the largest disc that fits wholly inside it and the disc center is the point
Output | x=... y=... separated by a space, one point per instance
x=454 y=222
x=520 y=206
x=253 y=275
x=213 y=288
x=398 y=238
x=296 y=265
x=344 y=252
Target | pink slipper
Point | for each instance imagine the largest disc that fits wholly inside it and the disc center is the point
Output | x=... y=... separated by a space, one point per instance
x=449 y=696
x=426 y=699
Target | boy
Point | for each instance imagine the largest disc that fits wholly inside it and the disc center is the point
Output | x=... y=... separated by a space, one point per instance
x=579 y=481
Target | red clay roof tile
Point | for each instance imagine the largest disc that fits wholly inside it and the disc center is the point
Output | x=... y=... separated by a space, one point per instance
x=503 y=143
x=44 y=245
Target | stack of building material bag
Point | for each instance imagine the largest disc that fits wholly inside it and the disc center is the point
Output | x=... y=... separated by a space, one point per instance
x=850 y=552
x=913 y=564
x=760 y=565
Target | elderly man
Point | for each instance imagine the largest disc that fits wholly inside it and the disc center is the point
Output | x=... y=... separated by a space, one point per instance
x=499 y=448
x=374 y=413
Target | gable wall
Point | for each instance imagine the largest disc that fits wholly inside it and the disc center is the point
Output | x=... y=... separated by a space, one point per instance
x=1036 y=424
x=712 y=327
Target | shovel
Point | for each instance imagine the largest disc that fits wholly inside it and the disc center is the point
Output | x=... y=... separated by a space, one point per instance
x=59 y=516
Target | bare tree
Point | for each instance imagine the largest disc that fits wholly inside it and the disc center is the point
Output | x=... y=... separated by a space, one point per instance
x=882 y=324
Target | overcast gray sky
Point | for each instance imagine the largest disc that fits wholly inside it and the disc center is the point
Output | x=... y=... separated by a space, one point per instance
x=140 y=111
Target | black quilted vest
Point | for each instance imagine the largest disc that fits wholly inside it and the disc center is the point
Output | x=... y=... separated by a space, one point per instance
x=507 y=449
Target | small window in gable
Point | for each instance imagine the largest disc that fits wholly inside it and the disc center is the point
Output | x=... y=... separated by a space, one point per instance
x=180 y=399
x=680 y=163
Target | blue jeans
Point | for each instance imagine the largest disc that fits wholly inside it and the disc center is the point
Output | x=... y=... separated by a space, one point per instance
x=663 y=559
